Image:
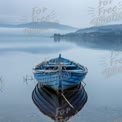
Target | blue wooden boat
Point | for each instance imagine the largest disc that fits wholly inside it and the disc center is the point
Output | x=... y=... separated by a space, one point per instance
x=59 y=73
x=59 y=107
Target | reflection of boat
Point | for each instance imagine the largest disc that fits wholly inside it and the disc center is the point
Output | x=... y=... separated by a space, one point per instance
x=59 y=107
x=59 y=73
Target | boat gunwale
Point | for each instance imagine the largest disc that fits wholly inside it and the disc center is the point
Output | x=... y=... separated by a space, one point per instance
x=84 y=69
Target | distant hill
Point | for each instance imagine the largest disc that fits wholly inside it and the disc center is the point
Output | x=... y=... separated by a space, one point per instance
x=42 y=25
x=108 y=30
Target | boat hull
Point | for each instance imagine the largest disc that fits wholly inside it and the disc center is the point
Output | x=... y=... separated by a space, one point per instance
x=60 y=80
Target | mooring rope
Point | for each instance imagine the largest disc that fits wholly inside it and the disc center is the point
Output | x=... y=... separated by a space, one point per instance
x=69 y=102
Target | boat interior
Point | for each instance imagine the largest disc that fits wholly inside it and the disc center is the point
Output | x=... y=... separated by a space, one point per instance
x=57 y=67
x=59 y=64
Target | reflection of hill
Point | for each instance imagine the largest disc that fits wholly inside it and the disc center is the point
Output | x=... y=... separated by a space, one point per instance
x=33 y=49
x=32 y=45
x=94 y=42
x=1 y=84
x=57 y=106
x=104 y=37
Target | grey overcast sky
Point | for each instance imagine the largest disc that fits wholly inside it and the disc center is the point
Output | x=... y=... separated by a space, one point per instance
x=69 y=12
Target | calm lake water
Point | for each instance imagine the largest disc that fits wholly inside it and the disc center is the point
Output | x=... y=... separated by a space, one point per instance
x=19 y=54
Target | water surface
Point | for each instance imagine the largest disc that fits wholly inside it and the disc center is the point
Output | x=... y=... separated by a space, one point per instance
x=18 y=55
